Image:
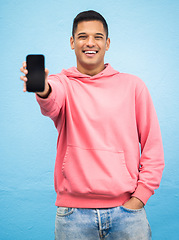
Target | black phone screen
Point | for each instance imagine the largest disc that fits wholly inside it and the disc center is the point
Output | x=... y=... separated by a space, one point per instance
x=36 y=73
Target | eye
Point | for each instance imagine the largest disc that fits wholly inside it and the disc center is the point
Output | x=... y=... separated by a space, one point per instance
x=98 y=37
x=82 y=37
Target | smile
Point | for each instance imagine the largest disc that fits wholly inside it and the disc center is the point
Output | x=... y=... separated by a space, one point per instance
x=90 y=52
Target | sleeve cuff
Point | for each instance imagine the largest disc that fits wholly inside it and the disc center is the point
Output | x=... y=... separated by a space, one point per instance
x=142 y=193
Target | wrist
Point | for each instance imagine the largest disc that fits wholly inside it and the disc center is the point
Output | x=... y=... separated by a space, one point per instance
x=46 y=92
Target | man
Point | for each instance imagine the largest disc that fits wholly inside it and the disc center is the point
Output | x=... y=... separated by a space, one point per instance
x=101 y=178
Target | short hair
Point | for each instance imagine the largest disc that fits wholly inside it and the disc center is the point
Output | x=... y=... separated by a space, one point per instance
x=89 y=16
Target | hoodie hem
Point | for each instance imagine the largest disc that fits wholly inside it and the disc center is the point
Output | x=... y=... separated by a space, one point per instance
x=67 y=200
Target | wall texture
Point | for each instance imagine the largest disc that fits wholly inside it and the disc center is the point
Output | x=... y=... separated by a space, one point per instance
x=144 y=41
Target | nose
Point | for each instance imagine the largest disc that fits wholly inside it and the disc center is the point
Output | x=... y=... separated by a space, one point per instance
x=90 y=42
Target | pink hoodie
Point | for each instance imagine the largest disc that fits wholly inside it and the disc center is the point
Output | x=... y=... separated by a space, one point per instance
x=100 y=121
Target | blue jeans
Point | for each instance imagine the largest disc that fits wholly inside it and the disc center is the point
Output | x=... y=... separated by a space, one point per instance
x=117 y=223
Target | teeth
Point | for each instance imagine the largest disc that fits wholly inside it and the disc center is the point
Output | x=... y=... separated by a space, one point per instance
x=90 y=52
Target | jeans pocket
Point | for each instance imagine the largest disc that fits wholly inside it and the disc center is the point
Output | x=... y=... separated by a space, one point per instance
x=64 y=211
x=131 y=210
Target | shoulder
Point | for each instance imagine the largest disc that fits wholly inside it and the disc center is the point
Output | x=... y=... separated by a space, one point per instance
x=132 y=82
x=132 y=79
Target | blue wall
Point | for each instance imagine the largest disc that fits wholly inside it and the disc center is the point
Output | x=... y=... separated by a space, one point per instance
x=144 y=41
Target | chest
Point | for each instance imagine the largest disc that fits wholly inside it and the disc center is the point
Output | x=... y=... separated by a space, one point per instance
x=97 y=102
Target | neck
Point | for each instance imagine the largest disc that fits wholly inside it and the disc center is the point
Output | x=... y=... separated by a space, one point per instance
x=90 y=70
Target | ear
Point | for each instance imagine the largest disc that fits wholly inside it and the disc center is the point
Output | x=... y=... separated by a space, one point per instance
x=108 y=44
x=72 y=43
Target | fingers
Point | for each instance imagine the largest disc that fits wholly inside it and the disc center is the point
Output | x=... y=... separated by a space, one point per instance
x=24 y=64
x=24 y=89
x=23 y=68
x=46 y=72
x=24 y=78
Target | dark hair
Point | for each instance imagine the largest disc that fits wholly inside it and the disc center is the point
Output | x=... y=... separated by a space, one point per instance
x=89 y=16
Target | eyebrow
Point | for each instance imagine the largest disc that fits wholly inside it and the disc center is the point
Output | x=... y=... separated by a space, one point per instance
x=100 y=34
x=83 y=33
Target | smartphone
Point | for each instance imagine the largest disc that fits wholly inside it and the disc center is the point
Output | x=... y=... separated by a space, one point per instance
x=36 y=73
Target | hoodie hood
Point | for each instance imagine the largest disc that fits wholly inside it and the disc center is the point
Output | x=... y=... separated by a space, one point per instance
x=74 y=73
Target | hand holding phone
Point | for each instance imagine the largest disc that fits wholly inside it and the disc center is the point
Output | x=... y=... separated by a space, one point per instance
x=47 y=88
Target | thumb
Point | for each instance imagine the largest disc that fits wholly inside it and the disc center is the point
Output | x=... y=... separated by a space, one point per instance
x=46 y=72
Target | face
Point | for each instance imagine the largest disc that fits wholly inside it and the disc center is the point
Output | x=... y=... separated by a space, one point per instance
x=90 y=45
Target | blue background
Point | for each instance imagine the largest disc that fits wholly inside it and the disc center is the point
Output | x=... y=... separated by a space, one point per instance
x=144 y=41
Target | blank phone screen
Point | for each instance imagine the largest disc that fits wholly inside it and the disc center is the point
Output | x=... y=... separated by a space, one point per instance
x=36 y=73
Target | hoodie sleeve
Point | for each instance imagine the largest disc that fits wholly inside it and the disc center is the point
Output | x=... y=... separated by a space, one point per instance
x=52 y=105
x=152 y=155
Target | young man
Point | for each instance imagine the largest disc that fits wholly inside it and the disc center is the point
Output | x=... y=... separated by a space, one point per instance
x=102 y=180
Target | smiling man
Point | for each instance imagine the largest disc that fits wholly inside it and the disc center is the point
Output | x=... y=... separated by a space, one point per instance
x=102 y=179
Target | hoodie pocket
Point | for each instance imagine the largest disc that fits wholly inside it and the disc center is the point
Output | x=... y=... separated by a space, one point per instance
x=96 y=172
